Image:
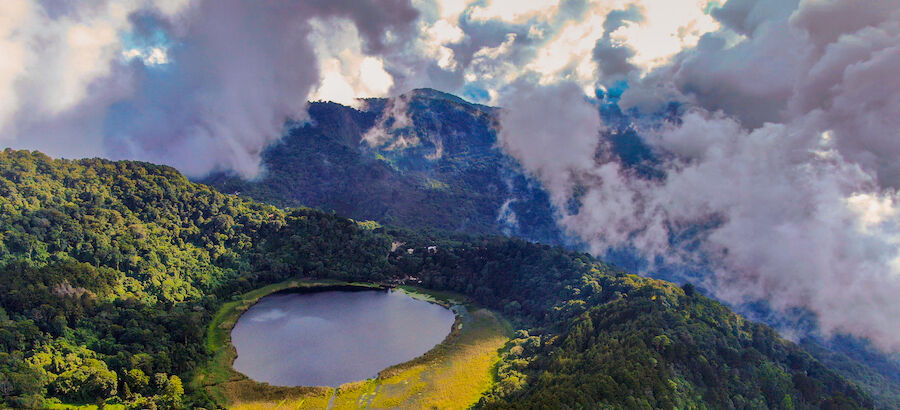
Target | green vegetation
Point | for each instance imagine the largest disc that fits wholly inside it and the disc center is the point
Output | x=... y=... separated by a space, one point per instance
x=439 y=168
x=111 y=274
x=599 y=336
x=217 y=378
x=883 y=388
x=447 y=174
x=453 y=375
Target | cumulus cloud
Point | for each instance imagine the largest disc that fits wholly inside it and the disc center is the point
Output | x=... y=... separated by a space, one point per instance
x=347 y=72
x=779 y=177
x=204 y=85
x=552 y=130
x=613 y=58
x=797 y=224
x=514 y=11
x=475 y=48
x=777 y=171
x=52 y=56
x=82 y=79
x=832 y=59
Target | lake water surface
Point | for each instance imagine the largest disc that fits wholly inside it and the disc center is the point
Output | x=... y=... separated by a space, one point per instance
x=333 y=337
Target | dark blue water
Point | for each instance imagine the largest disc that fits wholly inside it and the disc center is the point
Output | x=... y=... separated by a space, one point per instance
x=334 y=337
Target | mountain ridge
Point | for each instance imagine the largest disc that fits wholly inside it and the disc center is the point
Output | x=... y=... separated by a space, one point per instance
x=427 y=159
x=153 y=256
x=406 y=158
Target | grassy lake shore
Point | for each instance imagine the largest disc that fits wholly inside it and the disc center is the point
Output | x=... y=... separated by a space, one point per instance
x=454 y=374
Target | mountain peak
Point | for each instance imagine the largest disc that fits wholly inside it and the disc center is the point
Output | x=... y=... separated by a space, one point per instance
x=430 y=93
x=437 y=94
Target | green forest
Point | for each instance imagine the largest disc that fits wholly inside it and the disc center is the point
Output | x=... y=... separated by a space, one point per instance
x=110 y=273
x=449 y=156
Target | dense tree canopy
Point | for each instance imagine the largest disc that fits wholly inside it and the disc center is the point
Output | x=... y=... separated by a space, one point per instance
x=110 y=272
x=435 y=166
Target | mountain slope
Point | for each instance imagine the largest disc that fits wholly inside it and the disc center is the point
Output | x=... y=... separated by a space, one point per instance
x=424 y=159
x=427 y=159
x=110 y=272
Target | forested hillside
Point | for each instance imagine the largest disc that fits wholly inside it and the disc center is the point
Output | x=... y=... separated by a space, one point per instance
x=424 y=159
x=596 y=335
x=110 y=271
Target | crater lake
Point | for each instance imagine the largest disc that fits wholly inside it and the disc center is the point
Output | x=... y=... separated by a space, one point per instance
x=332 y=337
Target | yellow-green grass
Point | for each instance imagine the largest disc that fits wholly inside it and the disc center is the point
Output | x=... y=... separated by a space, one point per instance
x=219 y=379
x=436 y=185
x=452 y=375
x=56 y=405
x=443 y=298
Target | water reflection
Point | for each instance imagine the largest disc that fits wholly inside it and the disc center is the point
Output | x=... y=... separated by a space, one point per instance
x=334 y=337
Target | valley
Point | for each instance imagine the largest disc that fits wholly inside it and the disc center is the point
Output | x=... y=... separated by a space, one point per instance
x=449 y=204
x=119 y=280
x=428 y=160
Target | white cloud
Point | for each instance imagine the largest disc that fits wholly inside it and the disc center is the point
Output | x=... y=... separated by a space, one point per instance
x=443 y=32
x=799 y=172
x=552 y=130
x=149 y=56
x=438 y=36
x=346 y=72
x=784 y=166
x=72 y=87
x=49 y=63
x=13 y=15
x=796 y=228
x=873 y=209
x=333 y=86
x=170 y=7
x=451 y=9
x=514 y=11
x=668 y=27
x=376 y=81
x=570 y=47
